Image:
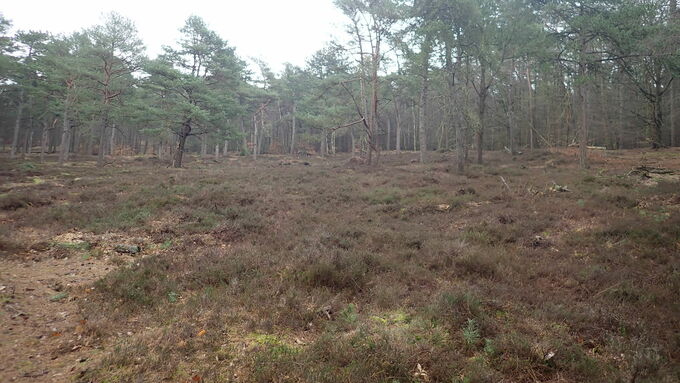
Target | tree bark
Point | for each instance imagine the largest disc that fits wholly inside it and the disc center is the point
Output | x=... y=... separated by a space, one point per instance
x=102 y=141
x=43 y=140
x=483 y=91
x=255 y=137
x=389 y=134
x=583 y=145
x=204 y=146
x=17 y=125
x=112 y=141
x=398 y=122
x=422 y=133
x=292 y=132
x=181 y=142
x=671 y=114
x=65 y=138
x=532 y=109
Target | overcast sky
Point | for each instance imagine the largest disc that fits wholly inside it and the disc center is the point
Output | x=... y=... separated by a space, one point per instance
x=277 y=31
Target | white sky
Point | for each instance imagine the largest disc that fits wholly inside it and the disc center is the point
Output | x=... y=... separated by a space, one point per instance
x=277 y=31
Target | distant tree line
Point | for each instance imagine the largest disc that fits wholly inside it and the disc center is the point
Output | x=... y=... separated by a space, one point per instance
x=420 y=75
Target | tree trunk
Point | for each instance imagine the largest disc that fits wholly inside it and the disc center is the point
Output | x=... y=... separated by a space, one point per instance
x=415 y=125
x=389 y=134
x=102 y=141
x=398 y=122
x=17 y=125
x=65 y=139
x=422 y=112
x=671 y=114
x=292 y=132
x=511 y=122
x=255 y=138
x=532 y=109
x=29 y=144
x=657 y=116
x=43 y=140
x=112 y=141
x=217 y=151
x=324 y=143
x=483 y=89
x=583 y=145
x=181 y=142
x=582 y=71
x=204 y=146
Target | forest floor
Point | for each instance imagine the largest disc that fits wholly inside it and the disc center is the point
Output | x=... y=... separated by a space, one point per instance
x=525 y=269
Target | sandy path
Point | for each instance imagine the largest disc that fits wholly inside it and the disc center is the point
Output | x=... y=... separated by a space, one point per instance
x=41 y=338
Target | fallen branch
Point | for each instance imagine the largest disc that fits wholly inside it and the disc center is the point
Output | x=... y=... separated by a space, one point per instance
x=506 y=184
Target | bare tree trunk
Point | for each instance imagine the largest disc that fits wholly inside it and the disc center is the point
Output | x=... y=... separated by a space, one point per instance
x=102 y=139
x=425 y=51
x=65 y=139
x=217 y=151
x=605 y=114
x=17 y=125
x=112 y=142
x=226 y=147
x=255 y=137
x=43 y=140
x=398 y=121
x=333 y=138
x=511 y=122
x=204 y=146
x=292 y=132
x=532 y=110
x=583 y=145
x=389 y=133
x=582 y=71
x=29 y=144
x=671 y=115
x=324 y=143
x=181 y=142
x=483 y=89
x=415 y=125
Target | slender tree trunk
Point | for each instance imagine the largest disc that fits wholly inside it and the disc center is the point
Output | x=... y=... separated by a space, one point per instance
x=657 y=116
x=29 y=144
x=217 y=151
x=324 y=143
x=606 y=129
x=583 y=145
x=397 y=117
x=582 y=72
x=226 y=147
x=17 y=125
x=102 y=141
x=671 y=115
x=389 y=133
x=181 y=142
x=511 y=122
x=43 y=140
x=204 y=146
x=292 y=130
x=415 y=125
x=333 y=138
x=112 y=141
x=255 y=137
x=65 y=138
x=483 y=89
x=422 y=133
x=532 y=109
x=374 y=131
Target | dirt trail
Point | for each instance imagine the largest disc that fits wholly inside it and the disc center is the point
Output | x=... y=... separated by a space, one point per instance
x=41 y=333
